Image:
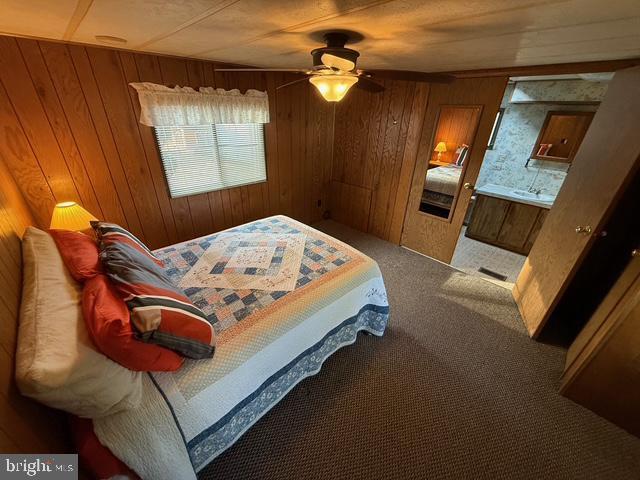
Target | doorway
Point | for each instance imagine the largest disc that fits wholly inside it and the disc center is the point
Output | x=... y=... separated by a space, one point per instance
x=535 y=136
x=607 y=156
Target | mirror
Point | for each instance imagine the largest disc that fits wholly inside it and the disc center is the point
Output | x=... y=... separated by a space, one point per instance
x=450 y=152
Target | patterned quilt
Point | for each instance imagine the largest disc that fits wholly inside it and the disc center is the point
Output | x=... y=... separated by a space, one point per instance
x=282 y=298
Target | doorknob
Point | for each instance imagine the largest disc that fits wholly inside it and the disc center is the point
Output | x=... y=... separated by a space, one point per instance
x=584 y=230
x=469 y=186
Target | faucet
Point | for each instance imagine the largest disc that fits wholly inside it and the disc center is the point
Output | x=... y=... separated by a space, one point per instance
x=531 y=189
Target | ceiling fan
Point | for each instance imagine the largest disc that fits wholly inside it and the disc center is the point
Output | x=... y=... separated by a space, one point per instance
x=334 y=70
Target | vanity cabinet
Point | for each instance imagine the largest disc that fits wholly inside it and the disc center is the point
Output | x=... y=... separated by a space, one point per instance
x=507 y=224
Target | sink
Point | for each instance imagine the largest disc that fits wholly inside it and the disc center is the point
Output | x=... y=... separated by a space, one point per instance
x=541 y=197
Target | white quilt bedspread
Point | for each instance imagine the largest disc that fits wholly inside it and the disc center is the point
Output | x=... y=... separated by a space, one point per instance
x=443 y=179
x=189 y=417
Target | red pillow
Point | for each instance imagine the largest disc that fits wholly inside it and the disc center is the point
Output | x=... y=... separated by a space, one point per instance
x=94 y=456
x=79 y=253
x=107 y=319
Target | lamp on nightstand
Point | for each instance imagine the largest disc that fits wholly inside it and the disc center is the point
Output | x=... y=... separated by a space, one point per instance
x=441 y=147
x=71 y=216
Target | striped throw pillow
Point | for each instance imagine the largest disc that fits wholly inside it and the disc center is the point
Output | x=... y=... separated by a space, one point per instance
x=160 y=312
x=461 y=155
x=110 y=232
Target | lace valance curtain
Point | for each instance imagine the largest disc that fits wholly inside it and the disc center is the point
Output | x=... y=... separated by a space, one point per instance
x=164 y=106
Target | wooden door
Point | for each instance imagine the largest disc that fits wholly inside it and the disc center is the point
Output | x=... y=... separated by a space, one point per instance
x=605 y=163
x=602 y=371
x=428 y=233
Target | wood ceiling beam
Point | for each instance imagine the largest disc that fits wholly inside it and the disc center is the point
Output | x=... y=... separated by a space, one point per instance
x=552 y=69
x=82 y=7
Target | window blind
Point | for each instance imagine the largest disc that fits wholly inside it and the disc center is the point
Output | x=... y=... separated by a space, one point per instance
x=204 y=158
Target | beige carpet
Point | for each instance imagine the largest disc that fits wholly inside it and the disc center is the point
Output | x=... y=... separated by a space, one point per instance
x=455 y=390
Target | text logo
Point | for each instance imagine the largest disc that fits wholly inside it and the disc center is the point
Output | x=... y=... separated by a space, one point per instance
x=46 y=466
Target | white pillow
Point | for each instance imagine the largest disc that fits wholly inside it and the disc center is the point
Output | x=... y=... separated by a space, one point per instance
x=56 y=362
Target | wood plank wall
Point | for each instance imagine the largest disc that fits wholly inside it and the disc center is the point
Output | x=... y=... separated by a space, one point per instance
x=456 y=126
x=376 y=143
x=70 y=131
x=25 y=426
x=378 y=140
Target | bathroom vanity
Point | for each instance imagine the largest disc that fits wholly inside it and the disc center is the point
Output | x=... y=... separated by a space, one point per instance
x=508 y=218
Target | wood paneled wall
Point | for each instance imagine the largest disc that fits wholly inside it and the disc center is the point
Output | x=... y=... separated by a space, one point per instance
x=456 y=126
x=378 y=140
x=70 y=131
x=24 y=425
x=375 y=148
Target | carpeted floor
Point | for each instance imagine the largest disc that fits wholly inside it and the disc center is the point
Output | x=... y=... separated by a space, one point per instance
x=455 y=389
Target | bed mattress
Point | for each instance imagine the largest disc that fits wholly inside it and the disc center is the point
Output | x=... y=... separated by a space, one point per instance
x=443 y=180
x=438 y=199
x=282 y=297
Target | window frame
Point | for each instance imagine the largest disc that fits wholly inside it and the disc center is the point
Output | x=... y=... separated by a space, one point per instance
x=496 y=127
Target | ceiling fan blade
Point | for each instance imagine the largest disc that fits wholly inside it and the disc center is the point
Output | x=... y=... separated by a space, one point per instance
x=369 y=85
x=305 y=79
x=294 y=70
x=333 y=61
x=411 y=76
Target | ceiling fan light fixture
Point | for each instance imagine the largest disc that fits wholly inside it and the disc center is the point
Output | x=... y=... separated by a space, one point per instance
x=333 y=88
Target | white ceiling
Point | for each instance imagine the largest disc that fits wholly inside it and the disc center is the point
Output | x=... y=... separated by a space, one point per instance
x=424 y=35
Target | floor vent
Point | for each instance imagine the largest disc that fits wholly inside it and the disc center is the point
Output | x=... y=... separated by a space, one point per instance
x=493 y=274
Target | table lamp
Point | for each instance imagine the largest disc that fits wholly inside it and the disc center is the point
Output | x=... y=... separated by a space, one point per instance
x=441 y=147
x=71 y=216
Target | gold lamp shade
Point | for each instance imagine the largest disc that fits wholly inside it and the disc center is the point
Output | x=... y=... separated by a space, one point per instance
x=333 y=87
x=70 y=216
x=441 y=147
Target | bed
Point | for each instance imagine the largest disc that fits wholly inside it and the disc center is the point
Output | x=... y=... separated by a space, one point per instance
x=282 y=298
x=440 y=185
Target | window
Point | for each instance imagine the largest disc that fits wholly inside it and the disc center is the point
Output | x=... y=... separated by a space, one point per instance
x=494 y=130
x=204 y=158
